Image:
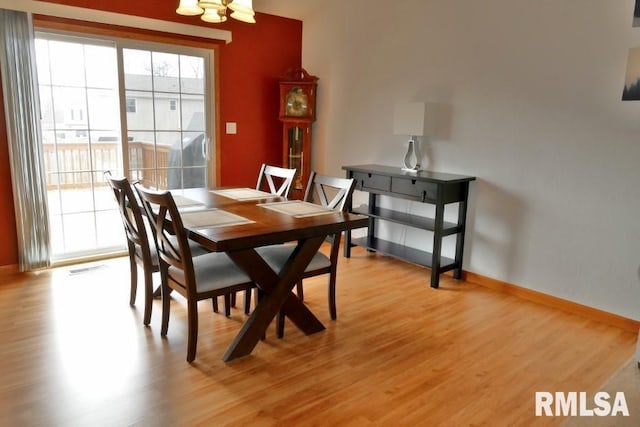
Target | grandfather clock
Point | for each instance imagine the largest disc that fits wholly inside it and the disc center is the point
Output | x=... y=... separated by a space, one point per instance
x=297 y=114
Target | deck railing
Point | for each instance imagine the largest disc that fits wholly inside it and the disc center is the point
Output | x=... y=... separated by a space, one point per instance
x=141 y=163
x=74 y=165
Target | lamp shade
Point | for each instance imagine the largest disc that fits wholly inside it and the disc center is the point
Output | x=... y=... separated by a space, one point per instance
x=189 y=8
x=213 y=16
x=409 y=119
x=244 y=17
x=242 y=6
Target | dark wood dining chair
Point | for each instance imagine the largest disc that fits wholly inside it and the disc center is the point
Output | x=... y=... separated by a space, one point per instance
x=139 y=247
x=195 y=278
x=275 y=180
x=334 y=193
x=140 y=251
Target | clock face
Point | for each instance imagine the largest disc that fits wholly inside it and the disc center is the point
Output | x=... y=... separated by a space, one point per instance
x=297 y=103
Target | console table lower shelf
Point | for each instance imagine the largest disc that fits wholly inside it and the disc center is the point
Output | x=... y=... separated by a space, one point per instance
x=405 y=253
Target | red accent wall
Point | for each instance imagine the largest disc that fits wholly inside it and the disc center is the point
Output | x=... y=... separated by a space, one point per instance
x=249 y=68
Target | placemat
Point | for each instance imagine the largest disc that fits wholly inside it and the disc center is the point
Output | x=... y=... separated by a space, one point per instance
x=211 y=218
x=297 y=208
x=185 y=202
x=243 y=193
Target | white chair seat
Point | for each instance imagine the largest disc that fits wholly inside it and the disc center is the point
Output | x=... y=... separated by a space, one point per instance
x=276 y=256
x=213 y=270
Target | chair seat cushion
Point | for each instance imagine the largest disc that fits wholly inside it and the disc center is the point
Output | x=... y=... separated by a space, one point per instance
x=152 y=252
x=277 y=255
x=212 y=271
x=196 y=248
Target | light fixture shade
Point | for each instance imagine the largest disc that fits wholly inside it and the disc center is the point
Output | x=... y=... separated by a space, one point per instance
x=244 y=17
x=189 y=8
x=409 y=119
x=242 y=6
x=213 y=16
x=215 y=11
x=212 y=4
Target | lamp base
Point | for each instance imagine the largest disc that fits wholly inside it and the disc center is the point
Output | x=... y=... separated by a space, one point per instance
x=411 y=159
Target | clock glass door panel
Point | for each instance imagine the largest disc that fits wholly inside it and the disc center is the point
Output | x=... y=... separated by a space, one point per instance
x=295 y=157
x=297 y=103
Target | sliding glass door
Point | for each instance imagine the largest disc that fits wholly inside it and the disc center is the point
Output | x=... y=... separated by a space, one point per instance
x=135 y=109
x=165 y=116
x=78 y=83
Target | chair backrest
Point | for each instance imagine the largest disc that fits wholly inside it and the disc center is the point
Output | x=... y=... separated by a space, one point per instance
x=168 y=233
x=130 y=213
x=281 y=186
x=334 y=193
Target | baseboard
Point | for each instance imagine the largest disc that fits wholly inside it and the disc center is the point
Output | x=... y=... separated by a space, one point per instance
x=6 y=270
x=554 y=302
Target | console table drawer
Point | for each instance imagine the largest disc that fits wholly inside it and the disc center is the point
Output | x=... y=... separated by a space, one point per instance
x=372 y=181
x=411 y=187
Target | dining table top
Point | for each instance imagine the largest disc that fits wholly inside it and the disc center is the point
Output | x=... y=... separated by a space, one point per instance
x=261 y=223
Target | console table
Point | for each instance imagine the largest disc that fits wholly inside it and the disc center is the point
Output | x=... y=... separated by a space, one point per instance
x=435 y=188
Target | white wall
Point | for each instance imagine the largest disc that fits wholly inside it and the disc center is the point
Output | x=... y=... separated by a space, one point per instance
x=523 y=94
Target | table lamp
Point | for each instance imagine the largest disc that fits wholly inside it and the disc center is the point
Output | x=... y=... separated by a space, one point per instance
x=409 y=120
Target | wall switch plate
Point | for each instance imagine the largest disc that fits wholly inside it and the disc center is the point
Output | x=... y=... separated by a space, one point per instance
x=231 y=128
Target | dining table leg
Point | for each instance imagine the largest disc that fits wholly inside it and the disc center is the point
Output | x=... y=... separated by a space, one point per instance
x=277 y=288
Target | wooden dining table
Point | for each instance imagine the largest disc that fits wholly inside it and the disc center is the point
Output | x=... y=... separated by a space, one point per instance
x=263 y=221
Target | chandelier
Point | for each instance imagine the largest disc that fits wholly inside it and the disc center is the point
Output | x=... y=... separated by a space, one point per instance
x=215 y=11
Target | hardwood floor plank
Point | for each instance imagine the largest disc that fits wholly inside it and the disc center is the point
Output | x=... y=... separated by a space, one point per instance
x=74 y=353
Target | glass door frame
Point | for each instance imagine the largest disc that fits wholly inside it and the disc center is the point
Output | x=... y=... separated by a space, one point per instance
x=123 y=39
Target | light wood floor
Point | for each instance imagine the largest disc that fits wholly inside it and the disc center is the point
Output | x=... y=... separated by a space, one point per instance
x=73 y=353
